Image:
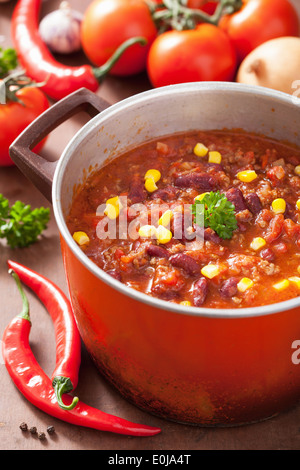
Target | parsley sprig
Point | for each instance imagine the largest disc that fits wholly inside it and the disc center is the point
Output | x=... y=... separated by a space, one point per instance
x=217 y=212
x=8 y=61
x=20 y=225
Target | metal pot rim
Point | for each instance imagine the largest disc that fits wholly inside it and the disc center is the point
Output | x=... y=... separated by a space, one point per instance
x=102 y=275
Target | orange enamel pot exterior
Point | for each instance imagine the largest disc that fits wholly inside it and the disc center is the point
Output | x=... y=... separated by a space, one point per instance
x=201 y=370
x=201 y=366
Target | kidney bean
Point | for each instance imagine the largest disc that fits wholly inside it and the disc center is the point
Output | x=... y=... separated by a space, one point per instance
x=267 y=254
x=199 y=181
x=137 y=192
x=235 y=196
x=185 y=262
x=289 y=212
x=166 y=194
x=200 y=288
x=253 y=203
x=157 y=251
x=229 y=287
x=211 y=236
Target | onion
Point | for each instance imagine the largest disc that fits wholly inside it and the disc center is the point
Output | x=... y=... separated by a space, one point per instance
x=60 y=30
x=274 y=64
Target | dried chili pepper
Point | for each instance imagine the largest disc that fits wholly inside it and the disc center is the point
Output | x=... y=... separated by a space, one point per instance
x=68 y=342
x=40 y=65
x=34 y=384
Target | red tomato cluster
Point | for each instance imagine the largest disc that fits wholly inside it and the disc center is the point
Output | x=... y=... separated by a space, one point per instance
x=203 y=52
x=206 y=52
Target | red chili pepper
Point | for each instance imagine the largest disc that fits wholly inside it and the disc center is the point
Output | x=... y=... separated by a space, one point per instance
x=68 y=342
x=34 y=384
x=40 y=65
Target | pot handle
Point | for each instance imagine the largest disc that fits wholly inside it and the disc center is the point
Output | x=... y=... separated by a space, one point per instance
x=35 y=167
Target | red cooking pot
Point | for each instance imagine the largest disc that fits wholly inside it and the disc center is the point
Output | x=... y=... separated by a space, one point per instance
x=203 y=366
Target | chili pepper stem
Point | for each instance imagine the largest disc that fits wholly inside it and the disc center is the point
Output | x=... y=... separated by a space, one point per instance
x=25 y=310
x=102 y=71
x=63 y=385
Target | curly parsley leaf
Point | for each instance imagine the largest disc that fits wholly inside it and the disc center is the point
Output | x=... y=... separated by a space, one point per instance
x=218 y=213
x=20 y=225
x=8 y=61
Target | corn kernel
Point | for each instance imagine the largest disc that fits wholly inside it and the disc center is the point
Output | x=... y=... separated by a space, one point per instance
x=186 y=303
x=200 y=150
x=298 y=204
x=210 y=270
x=147 y=231
x=163 y=234
x=295 y=280
x=166 y=218
x=297 y=170
x=113 y=207
x=200 y=196
x=214 y=157
x=81 y=238
x=115 y=201
x=257 y=243
x=281 y=285
x=150 y=185
x=154 y=174
x=247 y=176
x=279 y=206
x=245 y=284
x=111 y=211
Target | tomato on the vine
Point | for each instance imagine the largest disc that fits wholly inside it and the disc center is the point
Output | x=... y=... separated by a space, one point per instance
x=259 y=21
x=15 y=117
x=108 y=23
x=202 y=54
x=204 y=5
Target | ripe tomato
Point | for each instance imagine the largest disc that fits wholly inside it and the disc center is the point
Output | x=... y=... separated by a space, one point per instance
x=206 y=6
x=202 y=54
x=258 y=21
x=14 y=118
x=108 y=23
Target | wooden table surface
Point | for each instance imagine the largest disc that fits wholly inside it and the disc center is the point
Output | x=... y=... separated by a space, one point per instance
x=280 y=432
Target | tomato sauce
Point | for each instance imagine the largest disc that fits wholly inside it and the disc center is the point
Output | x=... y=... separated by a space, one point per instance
x=258 y=265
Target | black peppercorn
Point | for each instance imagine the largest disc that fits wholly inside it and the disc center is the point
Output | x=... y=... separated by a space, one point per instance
x=33 y=430
x=41 y=436
x=24 y=427
x=50 y=430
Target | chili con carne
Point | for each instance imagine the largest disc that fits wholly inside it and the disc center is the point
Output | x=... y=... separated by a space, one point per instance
x=34 y=384
x=68 y=342
x=40 y=65
x=142 y=238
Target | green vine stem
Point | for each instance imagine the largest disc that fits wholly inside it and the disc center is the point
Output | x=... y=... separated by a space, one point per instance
x=177 y=15
x=16 y=82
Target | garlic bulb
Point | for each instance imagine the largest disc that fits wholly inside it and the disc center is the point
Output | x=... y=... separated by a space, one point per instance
x=60 y=29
